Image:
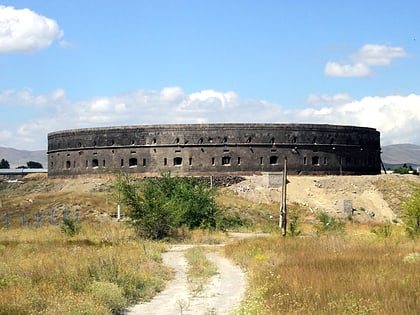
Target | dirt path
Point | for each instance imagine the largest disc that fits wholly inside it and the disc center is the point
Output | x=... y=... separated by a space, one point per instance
x=222 y=295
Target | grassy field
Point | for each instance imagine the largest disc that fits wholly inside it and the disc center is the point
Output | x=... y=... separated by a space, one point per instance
x=364 y=269
x=330 y=275
x=101 y=270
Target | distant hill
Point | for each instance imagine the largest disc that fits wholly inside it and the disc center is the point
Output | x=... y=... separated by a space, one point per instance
x=398 y=154
x=392 y=156
x=21 y=157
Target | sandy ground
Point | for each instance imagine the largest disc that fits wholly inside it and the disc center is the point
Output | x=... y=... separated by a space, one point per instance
x=324 y=193
x=223 y=293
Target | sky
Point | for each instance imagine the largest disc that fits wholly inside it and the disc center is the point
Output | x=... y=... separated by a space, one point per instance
x=84 y=64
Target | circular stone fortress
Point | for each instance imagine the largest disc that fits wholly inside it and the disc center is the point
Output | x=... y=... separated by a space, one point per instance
x=215 y=149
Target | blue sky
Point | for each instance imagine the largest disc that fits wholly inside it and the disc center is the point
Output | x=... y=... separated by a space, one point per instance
x=77 y=64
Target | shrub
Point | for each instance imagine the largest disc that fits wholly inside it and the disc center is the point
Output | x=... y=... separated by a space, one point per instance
x=329 y=224
x=109 y=294
x=70 y=227
x=384 y=230
x=411 y=215
x=157 y=207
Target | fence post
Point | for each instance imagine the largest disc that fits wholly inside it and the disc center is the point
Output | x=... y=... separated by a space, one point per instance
x=7 y=220
x=23 y=218
x=52 y=216
x=64 y=214
x=77 y=216
x=38 y=219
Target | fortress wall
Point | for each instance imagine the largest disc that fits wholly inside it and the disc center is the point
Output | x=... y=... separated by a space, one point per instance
x=215 y=149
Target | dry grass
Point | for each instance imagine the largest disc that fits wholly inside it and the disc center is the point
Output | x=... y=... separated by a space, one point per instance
x=96 y=272
x=331 y=275
x=200 y=269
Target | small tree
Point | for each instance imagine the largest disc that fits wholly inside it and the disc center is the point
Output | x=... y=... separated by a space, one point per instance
x=157 y=207
x=32 y=164
x=411 y=215
x=4 y=164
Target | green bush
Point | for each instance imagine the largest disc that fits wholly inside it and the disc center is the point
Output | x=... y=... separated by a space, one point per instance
x=411 y=215
x=157 y=207
x=70 y=227
x=329 y=224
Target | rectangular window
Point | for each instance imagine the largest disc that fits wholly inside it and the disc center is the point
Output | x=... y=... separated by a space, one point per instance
x=190 y=161
x=261 y=160
x=144 y=162
x=103 y=163
x=165 y=161
x=226 y=160
x=212 y=161
x=305 y=161
x=239 y=160
x=325 y=160
x=122 y=162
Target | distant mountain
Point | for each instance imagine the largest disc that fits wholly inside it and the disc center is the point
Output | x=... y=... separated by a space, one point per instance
x=21 y=157
x=399 y=154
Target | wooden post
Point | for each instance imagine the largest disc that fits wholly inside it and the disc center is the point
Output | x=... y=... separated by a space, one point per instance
x=283 y=211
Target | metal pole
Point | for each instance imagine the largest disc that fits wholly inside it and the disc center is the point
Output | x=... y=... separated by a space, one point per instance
x=283 y=210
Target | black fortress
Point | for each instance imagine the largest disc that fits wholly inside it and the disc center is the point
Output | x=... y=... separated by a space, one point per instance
x=215 y=149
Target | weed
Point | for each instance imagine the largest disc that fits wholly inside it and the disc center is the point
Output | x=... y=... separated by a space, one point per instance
x=70 y=227
x=329 y=224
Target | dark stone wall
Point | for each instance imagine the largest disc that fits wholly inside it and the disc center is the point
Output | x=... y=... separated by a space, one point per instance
x=215 y=149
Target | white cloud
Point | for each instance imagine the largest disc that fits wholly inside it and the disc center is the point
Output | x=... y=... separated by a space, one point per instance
x=334 y=69
x=369 y=55
x=378 y=55
x=397 y=118
x=325 y=99
x=25 y=97
x=26 y=31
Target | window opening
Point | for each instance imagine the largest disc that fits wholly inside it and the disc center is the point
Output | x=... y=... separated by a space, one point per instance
x=132 y=162
x=95 y=163
x=144 y=162
x=315 y=160
x=274 y=160
x=165 y=161
x=177 y=161
x=325 y=160
x=122 y=162
x=261 y=160
x=190 y=161
x=226 y=160
x=212 y=161
x=68 y=164
x=103 y=163
x=239 y=160
x=305 y=160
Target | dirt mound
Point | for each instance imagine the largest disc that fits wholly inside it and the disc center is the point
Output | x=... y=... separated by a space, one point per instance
x=326 y=193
